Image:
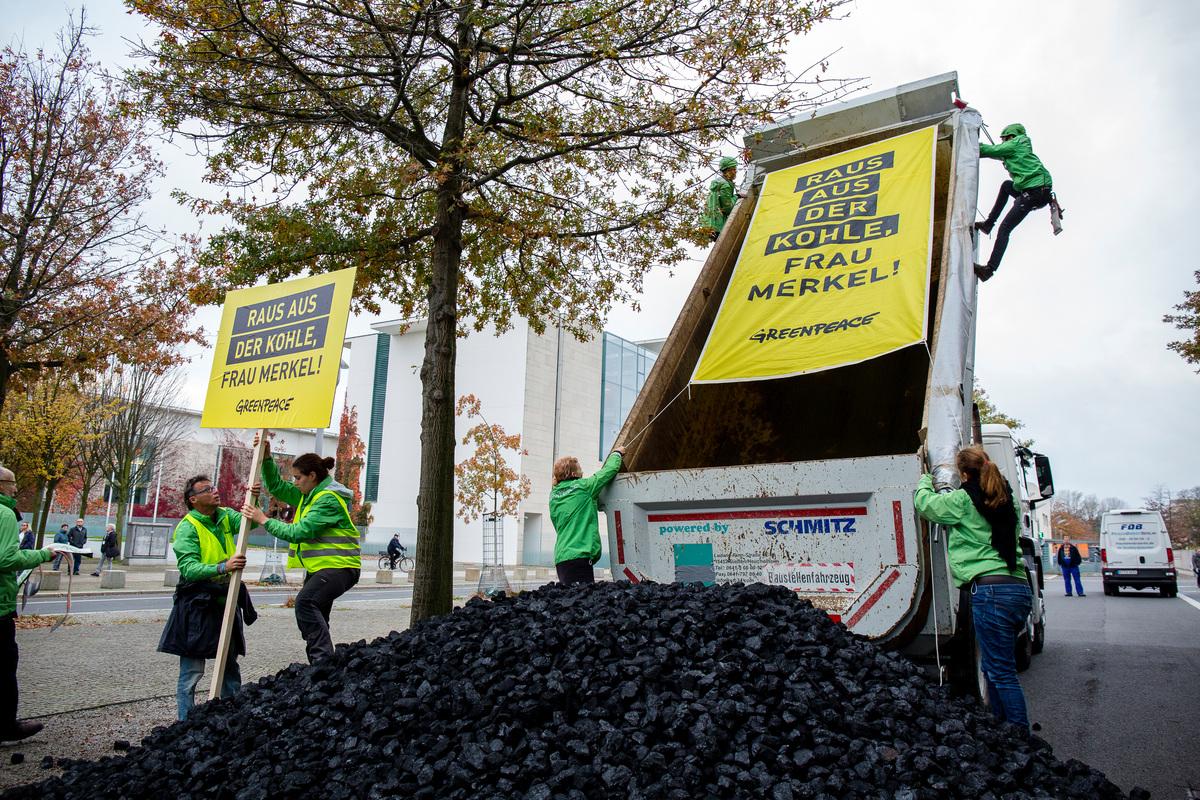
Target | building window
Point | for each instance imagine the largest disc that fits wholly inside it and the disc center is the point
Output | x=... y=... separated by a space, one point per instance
x=111 y=495
x=383 y=344
x=625 y=367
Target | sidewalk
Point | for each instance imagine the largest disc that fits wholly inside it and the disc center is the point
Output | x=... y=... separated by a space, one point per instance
x=150 y=579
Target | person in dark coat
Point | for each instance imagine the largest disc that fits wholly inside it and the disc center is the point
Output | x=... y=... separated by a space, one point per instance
x=1068 y=559
x=1196 y=565
x=27 y=537
x=77 y=537
x=108 y=550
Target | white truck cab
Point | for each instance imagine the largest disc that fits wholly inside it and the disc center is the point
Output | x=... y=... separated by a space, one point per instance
x=1135 y=552
x=1028 y=474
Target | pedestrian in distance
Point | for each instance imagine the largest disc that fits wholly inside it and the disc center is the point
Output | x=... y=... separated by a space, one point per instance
x=1030 y=187
x=77 y=537
x=12 y=560
x=573 y=512
x=1068 y=559
x=27 y=537
x=1196 y=565
x=61 y=538
x=983 y=552
x=394 y=550
x=108 y=550
x=205 y=554
x=323 y=541
x=721 y=198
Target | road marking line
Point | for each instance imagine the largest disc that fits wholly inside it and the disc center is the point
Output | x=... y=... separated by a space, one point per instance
x=1187 y=599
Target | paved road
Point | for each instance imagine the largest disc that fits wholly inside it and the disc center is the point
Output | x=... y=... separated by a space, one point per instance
x=1118 y=685
x=161 y=601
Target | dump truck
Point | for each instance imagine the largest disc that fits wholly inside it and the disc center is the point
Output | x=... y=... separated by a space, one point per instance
x=807 y=481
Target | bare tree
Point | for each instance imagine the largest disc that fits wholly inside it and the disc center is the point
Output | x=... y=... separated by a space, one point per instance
x=82 y=277
x=145 y=427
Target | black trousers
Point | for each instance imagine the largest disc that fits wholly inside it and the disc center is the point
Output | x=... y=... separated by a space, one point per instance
x=314 y=602
x=8 y=671
x=1023 y=203
x=577 y=570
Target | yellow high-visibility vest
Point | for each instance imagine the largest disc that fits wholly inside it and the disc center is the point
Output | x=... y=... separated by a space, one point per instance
x=333 y=547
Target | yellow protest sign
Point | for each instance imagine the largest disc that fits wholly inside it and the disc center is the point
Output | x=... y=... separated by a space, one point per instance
x=834 y=268
x=278 y=353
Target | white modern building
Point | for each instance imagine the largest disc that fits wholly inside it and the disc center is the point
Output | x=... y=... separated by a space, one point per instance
x=564 y=397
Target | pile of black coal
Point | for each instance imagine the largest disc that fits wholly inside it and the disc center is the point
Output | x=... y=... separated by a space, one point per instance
x=605 y=691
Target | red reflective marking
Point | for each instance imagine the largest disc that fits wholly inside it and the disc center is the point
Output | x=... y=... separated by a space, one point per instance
x=874 y=598
x=898 y=514
x=620 y=538
x=852 y=511
x=836 y=617
x=632 y=578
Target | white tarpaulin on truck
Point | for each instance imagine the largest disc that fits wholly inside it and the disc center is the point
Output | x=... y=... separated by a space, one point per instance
x=950 y=386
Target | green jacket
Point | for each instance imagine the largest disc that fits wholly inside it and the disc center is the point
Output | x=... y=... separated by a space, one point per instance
x=12 y=558
x=325 y=513
x=721 y=197
x=573 y=513
x=1025 y=169
x=971 y=551
x=187 y=543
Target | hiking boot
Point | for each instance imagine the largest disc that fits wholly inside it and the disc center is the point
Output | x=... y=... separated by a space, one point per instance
x=983 y=272
x=985 y=227
x=22 y=729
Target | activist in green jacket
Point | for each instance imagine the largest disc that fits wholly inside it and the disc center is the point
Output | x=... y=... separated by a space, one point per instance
x=573 y=513
x=1016 y=151
x=205 y=545
x=1030 y=188
x=985 y=560
x=12 y=560
x=324 y=541
x=721 y=198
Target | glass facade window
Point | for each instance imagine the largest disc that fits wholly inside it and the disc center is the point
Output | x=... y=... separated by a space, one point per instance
x=626 y=366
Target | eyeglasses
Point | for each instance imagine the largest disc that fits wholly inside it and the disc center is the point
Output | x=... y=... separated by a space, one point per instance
x=194 y=492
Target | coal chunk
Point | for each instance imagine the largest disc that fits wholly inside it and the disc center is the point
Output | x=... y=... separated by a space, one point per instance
x=613 y=690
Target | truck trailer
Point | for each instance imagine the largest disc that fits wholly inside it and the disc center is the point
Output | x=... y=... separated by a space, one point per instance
x=807 y=481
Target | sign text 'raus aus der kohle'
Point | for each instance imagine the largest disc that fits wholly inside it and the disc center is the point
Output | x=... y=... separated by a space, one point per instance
x=278 y=354
x=834 y=268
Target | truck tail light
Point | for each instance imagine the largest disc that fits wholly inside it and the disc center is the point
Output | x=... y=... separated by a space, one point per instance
x=1170 y=555
x=1104 y=556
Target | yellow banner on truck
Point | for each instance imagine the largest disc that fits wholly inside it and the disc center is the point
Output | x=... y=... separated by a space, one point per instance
x=834 y=268
x=278 y=353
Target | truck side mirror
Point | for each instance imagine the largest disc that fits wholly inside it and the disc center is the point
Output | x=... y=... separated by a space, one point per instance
x=1045 y=478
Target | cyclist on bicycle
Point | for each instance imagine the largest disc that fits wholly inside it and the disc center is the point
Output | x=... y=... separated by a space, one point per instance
x=395 y=550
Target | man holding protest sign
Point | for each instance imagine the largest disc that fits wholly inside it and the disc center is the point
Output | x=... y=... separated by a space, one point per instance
x=324 y=541
x=204 y=551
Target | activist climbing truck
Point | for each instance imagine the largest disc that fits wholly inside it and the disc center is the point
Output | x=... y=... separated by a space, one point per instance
x=826 y=346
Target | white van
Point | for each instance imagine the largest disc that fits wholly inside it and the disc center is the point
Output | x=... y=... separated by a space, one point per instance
x=1135 y=552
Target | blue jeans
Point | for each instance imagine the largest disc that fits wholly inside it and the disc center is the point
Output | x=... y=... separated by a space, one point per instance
x=191 y=670
x=999 y=612
x=1067 y=573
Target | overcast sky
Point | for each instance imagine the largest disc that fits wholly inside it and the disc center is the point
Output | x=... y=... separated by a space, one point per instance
x=1070 y=336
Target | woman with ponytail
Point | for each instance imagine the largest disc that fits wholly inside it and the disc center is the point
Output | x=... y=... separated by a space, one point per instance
x=323 y=537
x=984 y=557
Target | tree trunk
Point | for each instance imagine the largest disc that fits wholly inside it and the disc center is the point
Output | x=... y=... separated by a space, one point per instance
x=432 y=589
x=6 y=372
x=122 y=504
x=85 y=492
x=43 y=514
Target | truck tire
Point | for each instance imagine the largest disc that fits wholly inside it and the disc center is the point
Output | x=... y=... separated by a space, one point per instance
x=1110 y=590
x=966 y=675
x=1039 y=637
x=1170 y=589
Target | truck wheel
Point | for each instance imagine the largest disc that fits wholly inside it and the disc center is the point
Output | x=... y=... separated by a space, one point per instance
x=1170 y=590
x=1110 y=590
x=1039 y=637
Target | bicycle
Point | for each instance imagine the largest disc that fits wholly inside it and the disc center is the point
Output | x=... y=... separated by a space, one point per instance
x=403 y=562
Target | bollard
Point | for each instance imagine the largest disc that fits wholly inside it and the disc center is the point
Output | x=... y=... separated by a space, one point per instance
x=112 y=579
x=383 y=576
x=51 y=581
x=472 y=575
x=171 y=577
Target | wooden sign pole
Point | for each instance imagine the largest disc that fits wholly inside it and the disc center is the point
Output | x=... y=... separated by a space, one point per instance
x=235 y=577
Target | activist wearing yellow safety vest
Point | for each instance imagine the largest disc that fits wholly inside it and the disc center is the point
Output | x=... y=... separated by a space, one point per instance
x=324 y=541
x=205 y=553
